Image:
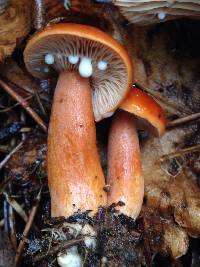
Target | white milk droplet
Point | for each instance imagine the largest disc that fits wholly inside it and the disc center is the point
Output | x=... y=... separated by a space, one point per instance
x=70 y=259
x=46 y=70
x=73 y=59
x=161 y=15
x=49 y=59
x=102 y=65
x=85 y=67
x=59 y=56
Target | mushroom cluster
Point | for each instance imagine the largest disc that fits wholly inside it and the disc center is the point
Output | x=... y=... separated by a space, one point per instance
x=95 y=78
x=95 y=75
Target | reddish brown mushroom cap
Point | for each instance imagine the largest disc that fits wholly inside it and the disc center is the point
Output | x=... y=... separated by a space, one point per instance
x=145 y=107
x=109 y=86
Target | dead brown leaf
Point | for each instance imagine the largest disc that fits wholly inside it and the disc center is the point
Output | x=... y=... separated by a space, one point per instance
x=15 y=24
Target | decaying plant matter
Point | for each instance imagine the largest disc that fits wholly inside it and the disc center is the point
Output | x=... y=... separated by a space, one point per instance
x=15 y=24
x=166 y=64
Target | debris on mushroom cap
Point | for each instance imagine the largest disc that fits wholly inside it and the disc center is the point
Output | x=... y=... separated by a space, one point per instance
x=145 y=107
x=148 y=11
x=68 y=47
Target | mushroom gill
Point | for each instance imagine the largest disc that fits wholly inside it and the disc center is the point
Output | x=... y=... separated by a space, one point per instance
x=109 y=71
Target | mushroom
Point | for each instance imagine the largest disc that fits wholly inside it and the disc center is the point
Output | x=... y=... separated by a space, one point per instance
x=145 y=12
x=124 y=164
x=95 y=74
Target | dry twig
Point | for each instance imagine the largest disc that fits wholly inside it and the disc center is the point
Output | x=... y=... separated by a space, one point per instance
x=24 y=104
x=5 y=160
x=40 y=103
x=39 y=14
x=6 y=109
x=27 y=229
x=4 y=184
x=12 y=227
x=15 y=205
x=58 y=248
x=179 y=121
x=180 y=153
x=4 y=149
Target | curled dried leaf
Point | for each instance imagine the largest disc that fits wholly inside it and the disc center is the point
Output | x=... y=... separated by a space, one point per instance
x=15 y=23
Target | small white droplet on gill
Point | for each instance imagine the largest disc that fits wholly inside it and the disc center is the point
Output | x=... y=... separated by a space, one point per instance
x=46 y=70
x=70 y=259
x=161 y=15
x=73 y=59
x=85 y=67
x=102 y=65
x=49 y=59
x=59 y=56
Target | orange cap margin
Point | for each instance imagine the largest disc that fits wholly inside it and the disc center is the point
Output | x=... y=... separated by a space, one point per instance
x=88 y=32
x=144 y=106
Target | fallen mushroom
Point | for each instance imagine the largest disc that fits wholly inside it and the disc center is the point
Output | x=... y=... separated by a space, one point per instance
x=124 y=164
x=147 y=11
x=85 y=57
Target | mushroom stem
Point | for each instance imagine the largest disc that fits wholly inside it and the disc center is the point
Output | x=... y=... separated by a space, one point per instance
x=124 y=166
x=75 y=175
